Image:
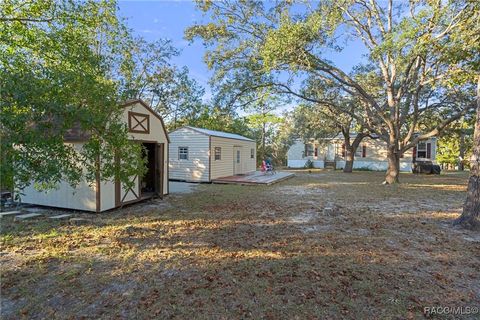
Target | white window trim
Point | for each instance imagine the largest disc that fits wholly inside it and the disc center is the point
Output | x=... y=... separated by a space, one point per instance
x=183 y=153
x=215 y=153
x=421 y=150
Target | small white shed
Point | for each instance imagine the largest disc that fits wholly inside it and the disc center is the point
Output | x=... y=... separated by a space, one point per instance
x=201 y=155
x=146 y=127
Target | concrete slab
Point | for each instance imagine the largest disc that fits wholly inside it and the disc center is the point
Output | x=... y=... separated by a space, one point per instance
x=60 y=216
x=256 y=178
x=9 y=213
x=27 y=216
x=181 y=187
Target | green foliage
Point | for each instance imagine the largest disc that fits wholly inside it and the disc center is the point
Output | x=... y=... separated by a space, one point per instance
x=56 y=65
x=148 y=73
x=419 y=56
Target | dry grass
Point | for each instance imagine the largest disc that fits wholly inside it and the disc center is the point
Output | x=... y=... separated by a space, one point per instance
x=234 y=252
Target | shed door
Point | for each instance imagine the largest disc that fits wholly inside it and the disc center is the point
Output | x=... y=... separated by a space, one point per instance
x=237 y=160
x=159 y=168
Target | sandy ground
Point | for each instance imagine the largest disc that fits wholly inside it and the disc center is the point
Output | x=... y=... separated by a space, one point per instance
x=323 y=245
x=175 y=187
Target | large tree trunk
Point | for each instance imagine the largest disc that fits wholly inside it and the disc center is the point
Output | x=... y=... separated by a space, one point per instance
x=471 y=208
x=349 y=158
x=462 y=150
x=393 y=170
x=350 y=149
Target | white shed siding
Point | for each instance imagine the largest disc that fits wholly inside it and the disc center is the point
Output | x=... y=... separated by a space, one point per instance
x=82 y=197
x=196 y=168
x=224 y=167
x=107 y=195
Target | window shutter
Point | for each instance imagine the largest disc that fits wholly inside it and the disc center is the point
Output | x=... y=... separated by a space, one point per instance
x=414 y=153
x=316 y=152
x=344 y=154
x=305 y=152
x=429 y=150
x=364 y=151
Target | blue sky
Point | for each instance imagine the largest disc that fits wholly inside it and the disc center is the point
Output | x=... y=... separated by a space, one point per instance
x=168 y=19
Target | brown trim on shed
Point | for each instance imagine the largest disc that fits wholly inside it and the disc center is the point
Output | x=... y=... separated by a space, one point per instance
x=160 y=167
x=168 y=168
x=98 y=198
x=144 y=104
x=118 y=188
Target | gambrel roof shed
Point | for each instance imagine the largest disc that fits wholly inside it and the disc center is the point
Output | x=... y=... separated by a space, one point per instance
x=146 y=127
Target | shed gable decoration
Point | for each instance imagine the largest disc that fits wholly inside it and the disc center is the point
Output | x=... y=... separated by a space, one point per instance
x=138 y=122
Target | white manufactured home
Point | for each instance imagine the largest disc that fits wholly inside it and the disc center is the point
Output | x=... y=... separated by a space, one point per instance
x=370 y=155
x=201 y=155
x=146 y=127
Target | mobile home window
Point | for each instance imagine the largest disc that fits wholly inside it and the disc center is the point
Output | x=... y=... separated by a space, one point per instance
x=310 y=150
x=421 y=150
x=252 y=153
x=218 y=153
x=359 y=151
x=182 y=153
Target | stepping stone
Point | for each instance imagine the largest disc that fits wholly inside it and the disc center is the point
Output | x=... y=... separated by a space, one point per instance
x=79 y=221
x=27 y=216
x=60 y=216
x=34 y=210
x=9 y=213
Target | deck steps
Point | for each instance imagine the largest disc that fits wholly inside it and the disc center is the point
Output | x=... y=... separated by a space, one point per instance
x=330 y=165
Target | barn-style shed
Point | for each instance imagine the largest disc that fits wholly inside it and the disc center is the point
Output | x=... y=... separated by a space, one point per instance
x=145 y=127
x=201 y=155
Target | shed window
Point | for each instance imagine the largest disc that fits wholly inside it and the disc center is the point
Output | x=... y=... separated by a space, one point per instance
x=182 y=153
x=238 y=156
x=218 y=153
x=252 y=153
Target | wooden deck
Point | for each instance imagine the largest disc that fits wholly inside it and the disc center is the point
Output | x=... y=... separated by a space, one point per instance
x=256 y=178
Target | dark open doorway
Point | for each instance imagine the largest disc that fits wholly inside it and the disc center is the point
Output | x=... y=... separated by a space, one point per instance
x=149 y=182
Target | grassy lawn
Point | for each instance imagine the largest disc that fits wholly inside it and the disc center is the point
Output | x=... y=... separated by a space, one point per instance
x=323 y=245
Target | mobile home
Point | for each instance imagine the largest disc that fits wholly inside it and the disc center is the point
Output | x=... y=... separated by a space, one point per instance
x=371 y=154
